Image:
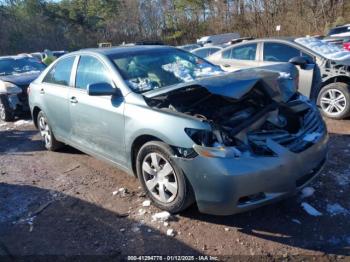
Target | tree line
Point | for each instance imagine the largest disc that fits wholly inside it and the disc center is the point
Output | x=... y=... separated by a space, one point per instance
x=35 y=25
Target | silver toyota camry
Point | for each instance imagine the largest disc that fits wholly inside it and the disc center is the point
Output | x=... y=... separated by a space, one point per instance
x=187 y=130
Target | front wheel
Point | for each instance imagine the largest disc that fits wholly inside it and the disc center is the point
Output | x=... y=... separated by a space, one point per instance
x=50 y=141
x=334 y=100
x=6 y=113
x=163 y=181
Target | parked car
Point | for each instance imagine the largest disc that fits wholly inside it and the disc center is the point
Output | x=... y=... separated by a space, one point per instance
x=189 y=47
x=340 y=31
x=16 y=73
x=315 y=57
x=188 y=130
x=206 y=51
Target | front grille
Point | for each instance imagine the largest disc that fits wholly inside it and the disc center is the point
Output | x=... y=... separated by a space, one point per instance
x=311 y=124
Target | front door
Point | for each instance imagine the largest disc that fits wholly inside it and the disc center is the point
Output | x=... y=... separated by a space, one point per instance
x=275 y=53
x=97 y=121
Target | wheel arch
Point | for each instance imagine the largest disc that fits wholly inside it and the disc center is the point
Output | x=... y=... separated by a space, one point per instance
x=35 y=114
x=335 y=79
x=136 y=146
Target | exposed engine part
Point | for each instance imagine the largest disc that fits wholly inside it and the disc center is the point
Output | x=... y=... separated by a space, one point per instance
x=247 y=122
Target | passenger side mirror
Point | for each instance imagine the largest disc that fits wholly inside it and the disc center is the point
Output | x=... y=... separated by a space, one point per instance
x=101 y=89
x=299 y=61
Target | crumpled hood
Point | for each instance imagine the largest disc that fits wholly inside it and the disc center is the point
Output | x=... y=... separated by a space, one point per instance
x=279 y=83
x=20 y=79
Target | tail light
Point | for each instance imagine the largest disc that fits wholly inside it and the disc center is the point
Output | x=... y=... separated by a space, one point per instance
x=346 y=46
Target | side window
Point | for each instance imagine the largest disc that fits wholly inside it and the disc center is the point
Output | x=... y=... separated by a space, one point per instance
x=244 y=52
x=227 y=53
x=202 y=53
x=60 y=73
x=276 y=52
x=90 y=71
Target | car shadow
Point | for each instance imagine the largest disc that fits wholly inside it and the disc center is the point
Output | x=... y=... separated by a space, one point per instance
x=14 y=141
x=38 y=221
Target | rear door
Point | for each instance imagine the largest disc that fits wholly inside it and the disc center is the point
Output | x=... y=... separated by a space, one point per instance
x=275 y=53
x=239 y=57
x=97 y=121
x=54 y=92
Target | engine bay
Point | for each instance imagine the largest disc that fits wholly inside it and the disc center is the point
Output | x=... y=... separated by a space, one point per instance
x=244 y=122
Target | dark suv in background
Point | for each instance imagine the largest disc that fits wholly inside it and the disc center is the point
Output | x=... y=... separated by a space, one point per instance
x=16 y=73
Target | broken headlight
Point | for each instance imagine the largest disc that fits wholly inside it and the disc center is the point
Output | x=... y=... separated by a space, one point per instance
x=210 y=144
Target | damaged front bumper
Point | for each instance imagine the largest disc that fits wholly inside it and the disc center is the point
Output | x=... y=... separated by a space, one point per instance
x=225 y=186
x=18 y=103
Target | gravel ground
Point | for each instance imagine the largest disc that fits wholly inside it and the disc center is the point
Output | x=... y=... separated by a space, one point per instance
x=62 y=203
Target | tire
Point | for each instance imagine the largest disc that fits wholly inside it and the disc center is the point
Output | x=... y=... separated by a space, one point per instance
x=50 y=141
x=6 y=113
x=334 y=100
x=157 y=155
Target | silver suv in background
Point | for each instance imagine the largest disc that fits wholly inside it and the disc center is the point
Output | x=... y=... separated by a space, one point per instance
x=316 y=61
x=189 y=131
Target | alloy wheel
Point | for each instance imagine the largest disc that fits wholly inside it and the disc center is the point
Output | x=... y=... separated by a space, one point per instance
x=2 y=111
x=45 y=131
x=333 y=102
x=159 y=177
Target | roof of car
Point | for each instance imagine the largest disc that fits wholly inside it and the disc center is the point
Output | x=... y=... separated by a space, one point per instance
x=122 y=49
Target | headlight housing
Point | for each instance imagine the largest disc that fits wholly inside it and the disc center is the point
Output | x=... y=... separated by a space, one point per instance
x=210 y=144
x=7 y=88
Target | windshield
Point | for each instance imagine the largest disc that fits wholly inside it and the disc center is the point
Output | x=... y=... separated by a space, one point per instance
x=12 y=66
x=324 y=48
x=158 y=68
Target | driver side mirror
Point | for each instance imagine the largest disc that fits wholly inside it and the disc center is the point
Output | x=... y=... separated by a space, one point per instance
x=101 y=89
x=299 y=61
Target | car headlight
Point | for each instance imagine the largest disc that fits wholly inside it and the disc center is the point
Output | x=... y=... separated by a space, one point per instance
x=7 y=88
x=208 y=144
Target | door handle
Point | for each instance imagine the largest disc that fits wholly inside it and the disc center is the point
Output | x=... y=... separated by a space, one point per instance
x=73 y=100
x=42 y=91
x=226 y=65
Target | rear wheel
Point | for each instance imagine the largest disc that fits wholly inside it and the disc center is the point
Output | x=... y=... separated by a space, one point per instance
x=50 y=141
x=6 y=113
x=334 y=100
x=163 y=181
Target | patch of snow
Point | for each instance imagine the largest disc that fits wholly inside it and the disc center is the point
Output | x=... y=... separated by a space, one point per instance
x=23 y=122
x=310 y=210
x=307 y=192
x=312 y=137
x=142 y=212
x=146 y=203
x=336 y=209
x=165 y=224
x=297 y=221
x=135 y=229
x=161 y=216
x=227 y=229
x=170 y=232
x=115 y=192
x=122 y=230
